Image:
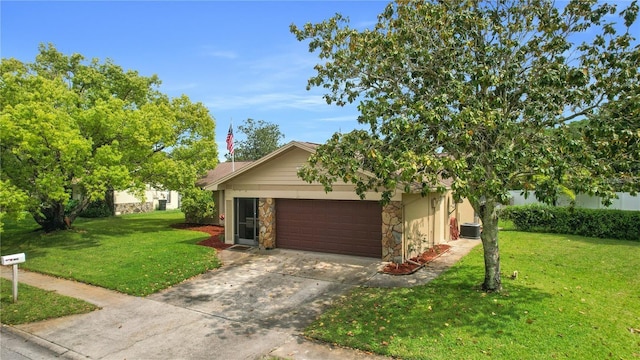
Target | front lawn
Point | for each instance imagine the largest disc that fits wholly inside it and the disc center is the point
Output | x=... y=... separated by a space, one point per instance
x=573 y=298
x=136 y=254
x=36 y=304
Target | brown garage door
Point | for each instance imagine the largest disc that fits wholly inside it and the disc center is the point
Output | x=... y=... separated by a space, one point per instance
x=342 y=227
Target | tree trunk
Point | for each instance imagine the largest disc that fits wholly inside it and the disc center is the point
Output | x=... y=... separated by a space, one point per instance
x=110 y=200
x=52 y=217
x=489 y=236
x=75 y=212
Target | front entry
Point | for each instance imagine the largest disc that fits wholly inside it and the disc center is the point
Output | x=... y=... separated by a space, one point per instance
x=247 y=224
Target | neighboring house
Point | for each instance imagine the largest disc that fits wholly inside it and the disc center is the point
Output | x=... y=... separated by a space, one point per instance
x=266 y=204
x=624 y=201
x=154 y=199
x=125 y=202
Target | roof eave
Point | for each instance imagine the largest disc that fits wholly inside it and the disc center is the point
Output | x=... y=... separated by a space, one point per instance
x=214 y=185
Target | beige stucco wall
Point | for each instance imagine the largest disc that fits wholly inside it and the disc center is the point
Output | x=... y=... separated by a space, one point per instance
x=417 y=224
x=426 y=221
x=465 y=212
x=218 y=198
x=278 y=178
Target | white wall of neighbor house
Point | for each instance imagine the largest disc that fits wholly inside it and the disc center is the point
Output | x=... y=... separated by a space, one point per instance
x=151 y=195
x=625 y=201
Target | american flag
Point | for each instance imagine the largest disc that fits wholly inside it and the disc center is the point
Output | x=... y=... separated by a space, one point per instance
x=230 y=140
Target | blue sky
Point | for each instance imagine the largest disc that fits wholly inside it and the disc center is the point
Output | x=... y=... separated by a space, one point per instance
x=236 y=57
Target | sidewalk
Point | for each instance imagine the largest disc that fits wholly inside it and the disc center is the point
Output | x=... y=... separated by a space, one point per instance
x=211 y=318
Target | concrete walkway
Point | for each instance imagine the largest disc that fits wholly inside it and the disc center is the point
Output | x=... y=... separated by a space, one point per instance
x=255 y=306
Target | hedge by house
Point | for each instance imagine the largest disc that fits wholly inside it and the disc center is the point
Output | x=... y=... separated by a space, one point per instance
x=602 y=223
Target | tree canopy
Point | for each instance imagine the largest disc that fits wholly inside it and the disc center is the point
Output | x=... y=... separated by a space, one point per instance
x=261 y=138
x=92 y=126
x=468 y=90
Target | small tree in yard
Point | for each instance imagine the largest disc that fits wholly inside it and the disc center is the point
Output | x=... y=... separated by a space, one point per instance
x=67 y=124
x=262 y=138
x=468 y=90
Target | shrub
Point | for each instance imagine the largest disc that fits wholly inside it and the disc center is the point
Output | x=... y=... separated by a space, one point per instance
x=198 y=205
x=602 y=223
x=97 y=209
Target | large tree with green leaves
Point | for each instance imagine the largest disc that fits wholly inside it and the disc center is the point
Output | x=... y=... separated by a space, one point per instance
x=467 y=90
x=261 y=138
x=68 y=125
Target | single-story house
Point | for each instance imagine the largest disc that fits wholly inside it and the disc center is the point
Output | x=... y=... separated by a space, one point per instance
x=266 y=204
x=125 y=202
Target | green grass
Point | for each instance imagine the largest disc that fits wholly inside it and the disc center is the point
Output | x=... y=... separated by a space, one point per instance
x=574 y=298
x=136 y=254
x=36 y=304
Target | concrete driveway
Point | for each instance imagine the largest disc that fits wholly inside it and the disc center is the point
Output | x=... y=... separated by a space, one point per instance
x=275 y=289
x=255 y=304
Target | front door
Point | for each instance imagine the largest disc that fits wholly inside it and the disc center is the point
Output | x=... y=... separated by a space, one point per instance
x=246 y=221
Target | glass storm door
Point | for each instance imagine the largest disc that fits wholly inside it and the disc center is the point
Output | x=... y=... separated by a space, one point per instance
x=246 y=221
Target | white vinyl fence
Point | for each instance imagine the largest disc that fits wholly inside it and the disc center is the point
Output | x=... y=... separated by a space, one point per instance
x=624 y=201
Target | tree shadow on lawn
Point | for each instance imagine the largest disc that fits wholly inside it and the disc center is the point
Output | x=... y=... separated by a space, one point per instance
x=463 y=305
x=87 y=233
x=453 y=304
x=36 y=243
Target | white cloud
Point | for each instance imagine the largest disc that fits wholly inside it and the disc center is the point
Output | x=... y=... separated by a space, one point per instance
x=223 y=54
x=344 y=118
x=178 y=87
x=210 y=51
x=267 y=101
x=289 y=68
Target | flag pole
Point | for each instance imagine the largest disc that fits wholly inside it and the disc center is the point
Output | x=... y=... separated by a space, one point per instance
x=233 y=151
x=230 y=146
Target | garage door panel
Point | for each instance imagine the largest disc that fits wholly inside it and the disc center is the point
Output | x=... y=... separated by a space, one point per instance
x=345 y=227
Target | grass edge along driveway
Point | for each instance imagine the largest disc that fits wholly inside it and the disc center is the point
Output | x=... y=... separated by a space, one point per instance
x=136 y=254
x=35 y=304
x=574 y=297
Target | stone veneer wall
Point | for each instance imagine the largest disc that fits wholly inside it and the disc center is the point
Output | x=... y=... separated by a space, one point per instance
x=392 y=232
x=130 y=208
x=267 y=216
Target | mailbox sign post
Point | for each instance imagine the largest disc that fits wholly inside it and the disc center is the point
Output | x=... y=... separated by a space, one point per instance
x=14 y=260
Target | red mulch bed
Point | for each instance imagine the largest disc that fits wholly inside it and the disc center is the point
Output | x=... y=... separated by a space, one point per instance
x=213 y=230
x=407 y=268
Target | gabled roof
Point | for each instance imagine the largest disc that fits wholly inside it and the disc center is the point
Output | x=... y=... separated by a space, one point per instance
x=227 y=174
x=221 y=170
